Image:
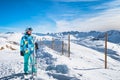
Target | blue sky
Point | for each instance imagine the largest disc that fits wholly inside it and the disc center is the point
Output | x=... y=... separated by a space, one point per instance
x=59 y=15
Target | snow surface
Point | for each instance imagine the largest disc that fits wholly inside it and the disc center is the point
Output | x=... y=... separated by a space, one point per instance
x=86 y=61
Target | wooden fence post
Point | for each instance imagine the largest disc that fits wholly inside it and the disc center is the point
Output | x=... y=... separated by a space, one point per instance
x=68 y=45
x=40 y=42
x=106 y=38
x=52 y=43
x=62 y=47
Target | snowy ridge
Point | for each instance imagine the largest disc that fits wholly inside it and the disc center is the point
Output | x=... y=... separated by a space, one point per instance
x=113 y=35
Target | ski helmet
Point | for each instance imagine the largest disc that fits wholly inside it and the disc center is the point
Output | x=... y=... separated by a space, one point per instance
x=29 y=29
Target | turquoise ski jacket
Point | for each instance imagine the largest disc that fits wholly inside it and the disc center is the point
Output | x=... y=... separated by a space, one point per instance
x=27 y=44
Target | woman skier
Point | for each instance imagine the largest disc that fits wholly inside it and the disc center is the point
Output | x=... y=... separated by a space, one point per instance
x=27 y=48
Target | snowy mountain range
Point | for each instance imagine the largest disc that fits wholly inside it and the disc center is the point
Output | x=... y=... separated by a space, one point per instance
x=85 y=63
x=114 y=35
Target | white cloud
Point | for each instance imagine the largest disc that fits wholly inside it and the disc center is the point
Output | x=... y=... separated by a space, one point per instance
x=44 y=28
x=108 y=5
x=107 y=20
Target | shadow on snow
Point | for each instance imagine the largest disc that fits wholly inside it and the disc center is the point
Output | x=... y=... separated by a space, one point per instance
x=62 y=77
x=13 y=76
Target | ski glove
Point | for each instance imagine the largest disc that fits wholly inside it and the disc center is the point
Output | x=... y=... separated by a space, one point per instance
x=21 y=53
x=36 y=45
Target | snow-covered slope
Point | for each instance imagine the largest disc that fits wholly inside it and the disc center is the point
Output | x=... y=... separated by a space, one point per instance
x=85 y=63
x=10 y=41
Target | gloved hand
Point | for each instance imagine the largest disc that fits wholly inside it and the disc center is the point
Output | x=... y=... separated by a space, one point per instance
x=21 y=53
x=36 y=45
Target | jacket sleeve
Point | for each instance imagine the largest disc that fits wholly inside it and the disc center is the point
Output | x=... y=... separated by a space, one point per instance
x=32 y=45
x=21 y=44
